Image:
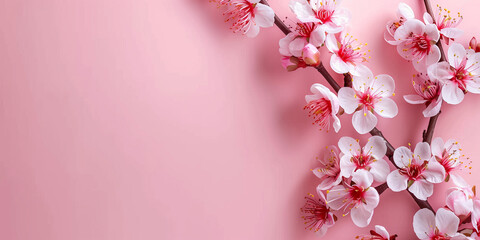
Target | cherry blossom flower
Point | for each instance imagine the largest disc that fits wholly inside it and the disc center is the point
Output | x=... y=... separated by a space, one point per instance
x=369 y=94
x=347 y=54
x=443 y=225
x=317 y=215
x=416 y=42
x=427 y=92
x=404 y=12
x=311 y=55
x=445 y=23
x=380 y=233
x=329 y=170
x=417 y=172
x=321 y=11
x=323 y=106
x=460 y=198
x=247 y=16
x=369 y=158
x=449 y=155
x=460 y=74
x=359 y=199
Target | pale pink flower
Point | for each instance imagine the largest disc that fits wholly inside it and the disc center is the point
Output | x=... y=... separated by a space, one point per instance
x=329 y=170
x=417 y=171
x=380 y=233
x=323 y=106
x=460 y=198
x=359 y=199
x=369 y=158
x=416 y=42
x=347 y=54
x=428 y=92
x=443 y=225
x=369 y=94
x=317 y=215
x=404 y=12
x=474 y=45
x=449 y=155
x=460 y=74
x=247 y=16
x=324 y=12
x=445 y=23
x=475 y=214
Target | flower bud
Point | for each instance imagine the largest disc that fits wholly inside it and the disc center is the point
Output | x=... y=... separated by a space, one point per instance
x=311 y=55
x=292 y=63
x=474 y=45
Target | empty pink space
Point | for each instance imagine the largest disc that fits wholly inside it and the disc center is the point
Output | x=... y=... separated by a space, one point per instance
x=150 y=120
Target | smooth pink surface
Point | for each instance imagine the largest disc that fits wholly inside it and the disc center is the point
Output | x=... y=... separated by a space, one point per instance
x=148 y=119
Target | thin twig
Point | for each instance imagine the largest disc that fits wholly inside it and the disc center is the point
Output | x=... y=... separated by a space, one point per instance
x=347 y=80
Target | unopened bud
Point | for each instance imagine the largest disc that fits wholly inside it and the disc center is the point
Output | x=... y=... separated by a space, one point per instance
x=311 y=55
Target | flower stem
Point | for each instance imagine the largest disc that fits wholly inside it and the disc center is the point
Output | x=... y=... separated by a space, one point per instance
x=375 y=132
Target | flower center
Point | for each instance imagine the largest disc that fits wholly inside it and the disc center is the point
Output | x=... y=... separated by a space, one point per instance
x=320 y=110
x=414 y=171
x=316 y=213
x=241 y=13
x=357 y=193
x=324 y=15
x=460 y=77
x=420 y=45
x=427 y=89
x=305 y=29
x=362 y=161
x=367 y=99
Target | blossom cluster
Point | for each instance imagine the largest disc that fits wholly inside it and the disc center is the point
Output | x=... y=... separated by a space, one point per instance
x=351 y=174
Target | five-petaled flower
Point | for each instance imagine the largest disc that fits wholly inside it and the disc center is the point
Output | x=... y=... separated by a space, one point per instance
x=459 y=75
x=445 y=23
x=317 y=215
x=359 y=199
x=416 y=42
x=324 y=12
x=247 y=16
x=404 y=12
x=428 y=91
x=417 y=171
x=329 y=170
x=461 y=197
x=443 y=225
x=347 y=54
x=449 y=155
x=369 y=94
x=323 y=106
x=369 y=158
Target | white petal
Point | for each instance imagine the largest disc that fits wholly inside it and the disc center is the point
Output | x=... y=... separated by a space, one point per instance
x=386 y=108
x=347 y=99
x=264 y=15
x=284 y=44
x=383 y=85
x=414 y=99
x=361 y=216
x=431 y=58
x=410 y=26
x=362 y=178
x=402 y=156
x=456 y=54
x=433 y=108
x=380 y=170
x=439 y=71
x=349 y=146
x=371 y=198
x=331 y=43
x=347 y=167
x=422 y=152
x=423 y=223
x=432 y=32
x=336 y=124
x=405 y=11
x=336 y=197
x=341 y=17
x=452 y=32
x=253 y=31
x=446 y=222
x=303 y=11
x=338 y=65
x=317 y=37
x=473 y=86
x=376 y=147
x=452 y=94
x=382 y=231
x=427 y=18
x=438 y=147
x=364 y=121
x=435 y=172
x=396 y=181
x=421 y=189
x=297 y=45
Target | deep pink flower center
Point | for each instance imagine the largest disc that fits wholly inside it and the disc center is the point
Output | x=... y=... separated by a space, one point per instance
x=305 y=29
x=414 y=171
x=460 y=77
x=324 y=15
x=320 y=110
x=438 y=236
x=357 y=193
x=241 y=13
x=367 y=99
x=427 y=89
x=421 y=43
x=316 y=213
x=362 y=161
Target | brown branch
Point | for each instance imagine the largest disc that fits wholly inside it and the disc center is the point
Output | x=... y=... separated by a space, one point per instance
x=347 y=80
x=375 y=132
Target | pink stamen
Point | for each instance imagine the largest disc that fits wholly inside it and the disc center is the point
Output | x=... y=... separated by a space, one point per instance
x=321 y=111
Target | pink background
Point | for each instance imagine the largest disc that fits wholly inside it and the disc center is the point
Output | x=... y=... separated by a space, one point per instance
x=147 y=119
